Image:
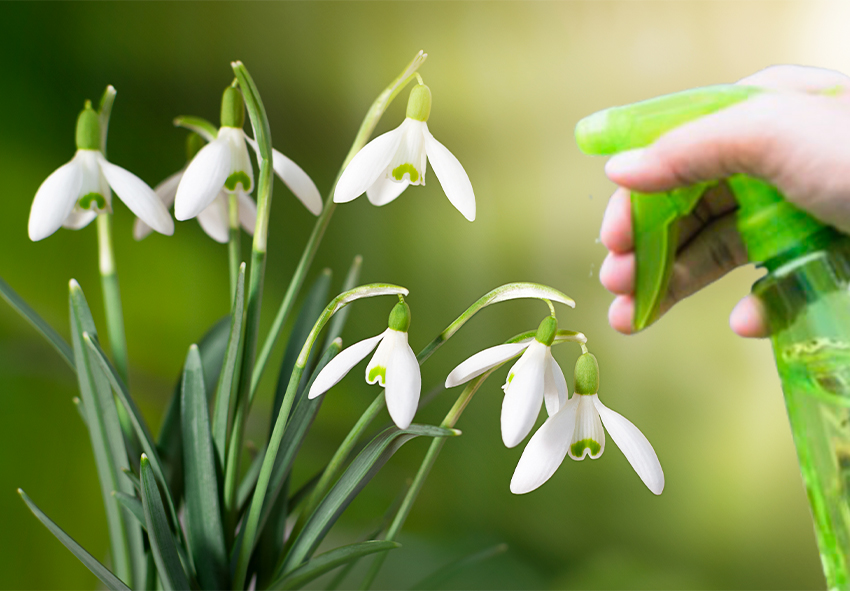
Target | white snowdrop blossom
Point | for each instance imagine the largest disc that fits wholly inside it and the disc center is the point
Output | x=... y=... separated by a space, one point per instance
x=224 y=165
x=76 y=192
x=393 y=366
x=391 y=162
x=577 y=430
x=534 y=379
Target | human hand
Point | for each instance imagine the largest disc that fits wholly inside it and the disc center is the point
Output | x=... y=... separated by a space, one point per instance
x=795 y=138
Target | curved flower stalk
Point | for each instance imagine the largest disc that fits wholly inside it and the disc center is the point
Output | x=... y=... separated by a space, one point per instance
x=393 y=366
x=576 y=430
x=76 y=192
x=536 y=377
x=223 y=165
x=391 y=162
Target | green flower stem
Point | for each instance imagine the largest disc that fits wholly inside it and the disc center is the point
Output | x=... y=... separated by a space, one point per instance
x=374 y=115
x=436 y=446
x=111 y=295
x=234 y=245
x=252 y=520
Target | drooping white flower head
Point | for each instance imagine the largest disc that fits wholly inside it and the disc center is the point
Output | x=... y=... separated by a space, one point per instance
x=391 y=162
x=76 y=192
x=393 y=366
x=576 y=430
x=214 y=220
x=224 y=165
x=534 y=379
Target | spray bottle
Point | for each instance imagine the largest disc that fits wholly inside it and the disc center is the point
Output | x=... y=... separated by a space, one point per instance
x=805 y=294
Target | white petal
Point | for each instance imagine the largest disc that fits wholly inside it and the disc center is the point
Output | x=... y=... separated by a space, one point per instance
x=240 y=159
x=247 y=212
x=634 y=446
x=203 y=179
x=410 y=153
x=385 y=190
x=554 y=385
x=589 y=436
x=404 y=383
x=54 y=200
x=340 y=365
x=294 y=177
x=452 y=176
x=138 y=197
x=545 y=450
x=214 y=219
x=376 y=370
x=166 y=191
x=523 y=395
x=79 y=218
x=367 y=165
x=484 y=361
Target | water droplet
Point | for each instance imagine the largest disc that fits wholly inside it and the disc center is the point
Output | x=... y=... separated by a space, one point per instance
x=591 y=269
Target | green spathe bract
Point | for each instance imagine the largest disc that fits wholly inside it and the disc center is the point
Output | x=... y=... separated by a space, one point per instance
x=587 y=374
x=88 y=129
x=419 y=103
x=400 y=317
x=194 y=143
x=546 y=331
x=232 y=108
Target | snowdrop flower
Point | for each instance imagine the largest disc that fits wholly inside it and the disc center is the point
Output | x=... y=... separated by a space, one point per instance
x=392 y=161
x=535 y=377
x=576 y=430
x=224 y=165
x=215 y=219
x=76 y=192
x=393 y=366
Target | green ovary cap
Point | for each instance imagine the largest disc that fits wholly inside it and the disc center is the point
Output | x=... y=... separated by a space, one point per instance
x=546 y=331
x=419 y=103
x=232 y=108
x=194 y=143
x=400 y=317
x=587 y=374
x=88 y=129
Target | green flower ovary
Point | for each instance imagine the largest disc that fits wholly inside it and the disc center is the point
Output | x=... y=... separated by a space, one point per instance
x=400 y=317
x=88 y=129
x=232 y=108
x=236 y=178
x=587 y=374
x=577 y=448
x=546 y=331
x=96 y=199
x=398 y=172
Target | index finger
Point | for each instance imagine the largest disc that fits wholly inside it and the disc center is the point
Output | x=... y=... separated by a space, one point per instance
x=797 y=78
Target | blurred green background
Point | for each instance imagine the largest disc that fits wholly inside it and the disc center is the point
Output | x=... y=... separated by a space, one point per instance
x=509 y=82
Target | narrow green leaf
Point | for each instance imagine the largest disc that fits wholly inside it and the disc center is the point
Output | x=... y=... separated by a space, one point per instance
x=201 y=126
x=61 y=345
x=137 y=484
x=132 y=504
x=104 y=110
x=445 y=573
x=223 y=410
x=164 y=549
x=170 y=442
x=246 y=487
x=203 y=511
x=106 y=438
x=101 y=572
x=359 y=473
x=313 y=569
x=78 y=404
x=299 y=495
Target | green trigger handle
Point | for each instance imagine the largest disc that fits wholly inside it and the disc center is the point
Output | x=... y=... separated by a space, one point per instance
x=767 y=223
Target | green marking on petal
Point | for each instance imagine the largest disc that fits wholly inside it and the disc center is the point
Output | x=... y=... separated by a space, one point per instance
x=577 y=448
x=377 y=372
x=236 y=178
x=96 y=199
x=398 y=172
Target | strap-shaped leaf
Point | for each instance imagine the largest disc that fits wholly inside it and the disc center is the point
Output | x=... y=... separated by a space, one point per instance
x=106 y=438
x=132 y=504
x=359 y=473
x=203 y=511
x=170 y=443
x=441 y=575
x=164 y=549
x=101 y=572
x=328 y=561
x=223 y=410
x=17 y=302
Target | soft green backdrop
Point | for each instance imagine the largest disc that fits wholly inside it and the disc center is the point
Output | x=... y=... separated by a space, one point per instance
x=509 y=82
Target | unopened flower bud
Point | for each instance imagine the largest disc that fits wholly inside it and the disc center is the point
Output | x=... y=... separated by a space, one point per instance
x=419 y=103
x=88 y=129
x=400 y=317
x=546 y=331
x=587 y=374
x=232 y=108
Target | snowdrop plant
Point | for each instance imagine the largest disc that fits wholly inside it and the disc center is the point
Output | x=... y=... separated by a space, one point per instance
x=183 y=509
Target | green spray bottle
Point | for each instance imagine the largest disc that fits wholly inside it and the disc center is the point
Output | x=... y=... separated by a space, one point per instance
x=806 y=294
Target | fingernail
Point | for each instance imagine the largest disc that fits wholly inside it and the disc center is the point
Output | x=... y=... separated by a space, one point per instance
x=625 y=163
